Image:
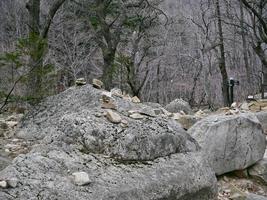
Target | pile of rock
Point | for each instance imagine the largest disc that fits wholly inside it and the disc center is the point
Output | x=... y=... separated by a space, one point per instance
x=95 y=144
x=253 y=106
x=86 y=151
x=10 y=147
x=181 y=111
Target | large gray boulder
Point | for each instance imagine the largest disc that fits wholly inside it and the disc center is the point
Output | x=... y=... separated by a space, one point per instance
x=47 y=175
x=145 y=139
x=178 y=105
x=230 y=142
x=262 y=117
x=148 y=158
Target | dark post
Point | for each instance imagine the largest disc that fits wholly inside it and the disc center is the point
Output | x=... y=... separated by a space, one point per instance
x=232 y=83
x=231 y=92
x=263 y=84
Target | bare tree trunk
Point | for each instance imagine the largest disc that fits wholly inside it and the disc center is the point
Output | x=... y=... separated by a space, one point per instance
x=33 y=7
x=133 y=70
x=195 y=79
x=259 y=28
x=244 y=42
x=158 y=80
x=37 y=38
x=260 y=52
x=109 y=47
x=108 y=68
x=222 y=63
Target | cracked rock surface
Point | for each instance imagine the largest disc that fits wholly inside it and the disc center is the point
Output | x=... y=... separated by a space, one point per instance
x=230 y=142
x=46 y=175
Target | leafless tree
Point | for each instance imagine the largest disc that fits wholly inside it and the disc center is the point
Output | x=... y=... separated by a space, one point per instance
x=258 y=9
x=38 y=32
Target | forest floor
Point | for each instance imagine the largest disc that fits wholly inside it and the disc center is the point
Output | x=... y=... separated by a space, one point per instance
x=234 y=186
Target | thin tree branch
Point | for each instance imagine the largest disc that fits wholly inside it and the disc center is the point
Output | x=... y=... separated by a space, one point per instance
x=53 y=10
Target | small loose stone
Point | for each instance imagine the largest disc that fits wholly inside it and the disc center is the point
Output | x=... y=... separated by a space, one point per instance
x=3 y=184
x=97 y=84
x=113 y=117
x=81 y=178
x=135 y=99
x=13 y=182
x=136 y=116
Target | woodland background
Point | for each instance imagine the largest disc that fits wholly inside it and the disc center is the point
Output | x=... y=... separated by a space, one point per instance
x=157 y=50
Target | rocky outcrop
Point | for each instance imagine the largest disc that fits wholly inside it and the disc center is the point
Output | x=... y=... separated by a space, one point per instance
x=178 y=105
x=81 y=154
x=231 y=142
